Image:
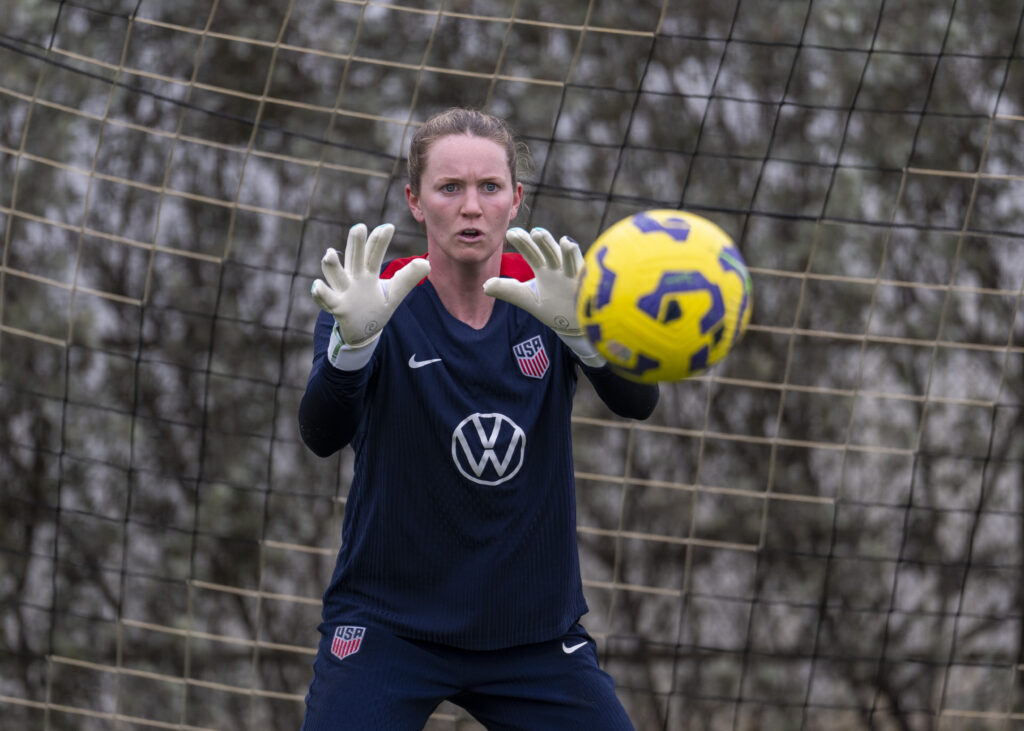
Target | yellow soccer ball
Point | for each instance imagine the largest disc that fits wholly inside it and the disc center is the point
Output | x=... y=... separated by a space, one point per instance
x=663 y=295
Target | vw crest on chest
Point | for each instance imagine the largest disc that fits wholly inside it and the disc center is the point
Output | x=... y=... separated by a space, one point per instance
x=488 y=448
x=531 y=357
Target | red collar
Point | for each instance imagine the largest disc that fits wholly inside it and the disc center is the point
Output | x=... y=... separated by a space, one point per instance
x=512 y=265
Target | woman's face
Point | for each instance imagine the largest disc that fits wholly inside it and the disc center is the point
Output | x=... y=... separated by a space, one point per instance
x=467 y=198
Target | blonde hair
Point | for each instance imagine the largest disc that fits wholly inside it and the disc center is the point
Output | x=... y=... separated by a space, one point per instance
x=463 y=121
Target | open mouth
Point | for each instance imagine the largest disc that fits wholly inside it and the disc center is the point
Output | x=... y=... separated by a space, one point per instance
x=471 y=234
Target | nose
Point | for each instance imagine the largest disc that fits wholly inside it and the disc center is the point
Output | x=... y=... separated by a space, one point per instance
x=471 y=203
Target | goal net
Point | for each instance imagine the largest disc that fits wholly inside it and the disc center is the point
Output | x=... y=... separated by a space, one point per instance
x=825 y=532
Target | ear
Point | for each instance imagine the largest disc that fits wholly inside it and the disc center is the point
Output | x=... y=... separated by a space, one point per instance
x=414 y=204
x=516 y=200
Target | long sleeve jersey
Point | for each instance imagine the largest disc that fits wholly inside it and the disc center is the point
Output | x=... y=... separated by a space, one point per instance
x=460 y=523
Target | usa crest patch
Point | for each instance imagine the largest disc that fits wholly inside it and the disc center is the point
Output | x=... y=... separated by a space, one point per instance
x=347 y=641
x=531 y=357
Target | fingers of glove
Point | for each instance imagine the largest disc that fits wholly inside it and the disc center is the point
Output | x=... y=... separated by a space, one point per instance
x=525 y=246
x=512 y=291
x=572 y=258
x=355 y=250
x=405 y=279
x=377 y=245
x=336 y=277
x=549 y=249
x=328 y=299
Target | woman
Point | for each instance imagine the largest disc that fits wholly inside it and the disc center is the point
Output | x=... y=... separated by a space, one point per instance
x=452 y=376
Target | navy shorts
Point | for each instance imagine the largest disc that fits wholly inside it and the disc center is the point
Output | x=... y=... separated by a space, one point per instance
x=368 y=678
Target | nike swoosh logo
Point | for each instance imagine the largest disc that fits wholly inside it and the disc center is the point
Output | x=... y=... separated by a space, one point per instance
x=413 y=363
x=568 y=650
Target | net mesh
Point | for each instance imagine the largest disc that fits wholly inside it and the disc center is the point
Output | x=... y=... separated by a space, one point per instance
x=824 y=532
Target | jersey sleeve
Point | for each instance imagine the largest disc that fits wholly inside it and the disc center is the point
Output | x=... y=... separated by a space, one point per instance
x=332 y=406
x=625 y=398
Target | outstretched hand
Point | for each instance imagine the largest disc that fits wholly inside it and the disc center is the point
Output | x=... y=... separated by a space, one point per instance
x=362 y=302
x=551 y=295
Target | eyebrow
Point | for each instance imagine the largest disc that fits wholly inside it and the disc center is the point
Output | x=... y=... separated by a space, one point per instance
x=444 y=180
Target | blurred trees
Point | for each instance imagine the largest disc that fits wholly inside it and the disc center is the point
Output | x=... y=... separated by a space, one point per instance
x=826 y=534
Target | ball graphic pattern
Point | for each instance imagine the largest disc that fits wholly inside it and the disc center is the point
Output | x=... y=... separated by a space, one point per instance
x=663 y=295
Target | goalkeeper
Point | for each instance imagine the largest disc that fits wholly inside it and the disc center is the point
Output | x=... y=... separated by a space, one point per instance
x=452 y=376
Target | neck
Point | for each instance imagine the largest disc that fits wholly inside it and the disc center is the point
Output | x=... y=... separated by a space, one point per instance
x=459 y=286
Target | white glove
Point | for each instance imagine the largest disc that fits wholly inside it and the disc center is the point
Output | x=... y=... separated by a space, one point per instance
x=551 y=295
x=359 y=299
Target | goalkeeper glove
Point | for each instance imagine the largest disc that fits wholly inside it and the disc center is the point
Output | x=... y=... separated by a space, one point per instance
x=551 y=295
x=359 y=299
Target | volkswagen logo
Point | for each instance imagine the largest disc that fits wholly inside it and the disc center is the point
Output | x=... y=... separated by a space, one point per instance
x=488 y=448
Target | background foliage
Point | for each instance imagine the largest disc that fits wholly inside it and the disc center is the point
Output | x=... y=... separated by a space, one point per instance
x=824 y=533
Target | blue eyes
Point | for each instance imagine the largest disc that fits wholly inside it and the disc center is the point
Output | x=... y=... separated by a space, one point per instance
x=487 y=187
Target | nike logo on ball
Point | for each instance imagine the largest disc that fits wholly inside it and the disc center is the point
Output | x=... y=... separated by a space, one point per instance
x=568 y=650
x=413 y=363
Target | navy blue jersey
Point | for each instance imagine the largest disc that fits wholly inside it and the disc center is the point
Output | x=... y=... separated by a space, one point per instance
x=459 y=526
